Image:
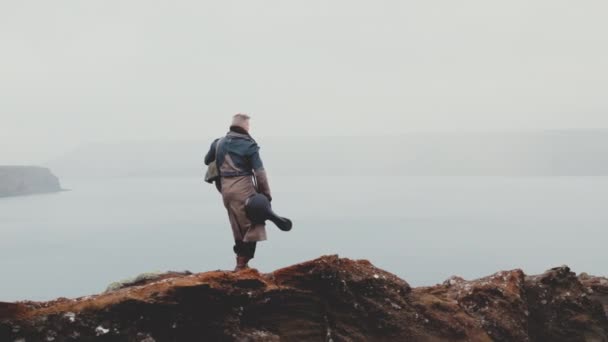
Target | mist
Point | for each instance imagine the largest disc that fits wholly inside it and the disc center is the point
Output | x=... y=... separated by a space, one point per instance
x=75 y=73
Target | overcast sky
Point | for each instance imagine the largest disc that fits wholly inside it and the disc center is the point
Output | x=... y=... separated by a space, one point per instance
x=73 y=72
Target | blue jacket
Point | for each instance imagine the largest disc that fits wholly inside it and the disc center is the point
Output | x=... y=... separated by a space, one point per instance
x=243 y=151
x=239 y=155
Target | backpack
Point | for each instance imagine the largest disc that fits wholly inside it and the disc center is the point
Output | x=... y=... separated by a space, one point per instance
x=213 y=172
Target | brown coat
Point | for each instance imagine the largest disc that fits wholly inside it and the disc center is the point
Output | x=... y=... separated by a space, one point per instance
x=236 y=190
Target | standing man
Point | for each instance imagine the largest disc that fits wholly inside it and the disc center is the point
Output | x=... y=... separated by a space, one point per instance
x=242 y=174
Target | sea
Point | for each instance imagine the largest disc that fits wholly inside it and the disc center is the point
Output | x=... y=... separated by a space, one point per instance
x=423 y=229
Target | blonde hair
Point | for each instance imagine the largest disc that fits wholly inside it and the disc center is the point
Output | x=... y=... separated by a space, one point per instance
x=240 y=119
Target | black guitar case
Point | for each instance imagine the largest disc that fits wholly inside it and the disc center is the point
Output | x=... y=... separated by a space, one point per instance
x=258 y=210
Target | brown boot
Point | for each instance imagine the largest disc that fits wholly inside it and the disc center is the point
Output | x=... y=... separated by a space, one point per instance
x=241 y=263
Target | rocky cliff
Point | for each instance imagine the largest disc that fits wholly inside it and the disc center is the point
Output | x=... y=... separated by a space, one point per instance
x=25 y=180
x=327 y=299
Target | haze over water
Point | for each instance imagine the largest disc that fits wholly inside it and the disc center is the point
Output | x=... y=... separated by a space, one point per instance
x=423 y=229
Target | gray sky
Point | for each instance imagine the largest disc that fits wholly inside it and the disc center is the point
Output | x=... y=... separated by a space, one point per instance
x=73 y=72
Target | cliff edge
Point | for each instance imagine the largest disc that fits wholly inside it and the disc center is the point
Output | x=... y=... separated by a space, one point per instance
x=26 y=180
x=326 y=299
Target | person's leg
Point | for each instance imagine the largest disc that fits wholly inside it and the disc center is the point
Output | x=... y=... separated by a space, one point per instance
x=249 y=249
x=246 y=249
x=238 y=247
x=236 y=190
x=244 y=252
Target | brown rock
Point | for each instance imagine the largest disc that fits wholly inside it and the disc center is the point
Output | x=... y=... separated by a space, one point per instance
x=561 y=309
x=326 y=299
x=597 y=289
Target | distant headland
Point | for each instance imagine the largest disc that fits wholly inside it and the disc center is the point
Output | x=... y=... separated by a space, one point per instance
x=27 y=180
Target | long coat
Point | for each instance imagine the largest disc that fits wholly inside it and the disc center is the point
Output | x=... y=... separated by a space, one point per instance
x=240 y=167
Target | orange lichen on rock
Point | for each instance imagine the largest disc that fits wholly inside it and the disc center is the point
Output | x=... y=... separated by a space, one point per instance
x=326 y=299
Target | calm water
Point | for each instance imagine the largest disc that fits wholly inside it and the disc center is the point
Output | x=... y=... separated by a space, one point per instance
x=422 y=229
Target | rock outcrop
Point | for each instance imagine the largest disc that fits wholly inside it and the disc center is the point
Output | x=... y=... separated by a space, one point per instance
x=326 y=299
x=26 y=180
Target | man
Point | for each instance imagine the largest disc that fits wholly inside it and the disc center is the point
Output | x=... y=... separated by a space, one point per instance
x=242 y=174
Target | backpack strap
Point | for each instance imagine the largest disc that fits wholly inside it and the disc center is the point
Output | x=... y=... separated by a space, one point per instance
x=217 y=149
x=217 y=146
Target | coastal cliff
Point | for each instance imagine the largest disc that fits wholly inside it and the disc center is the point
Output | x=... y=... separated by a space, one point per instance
x=26 y=180
x=326 y=299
